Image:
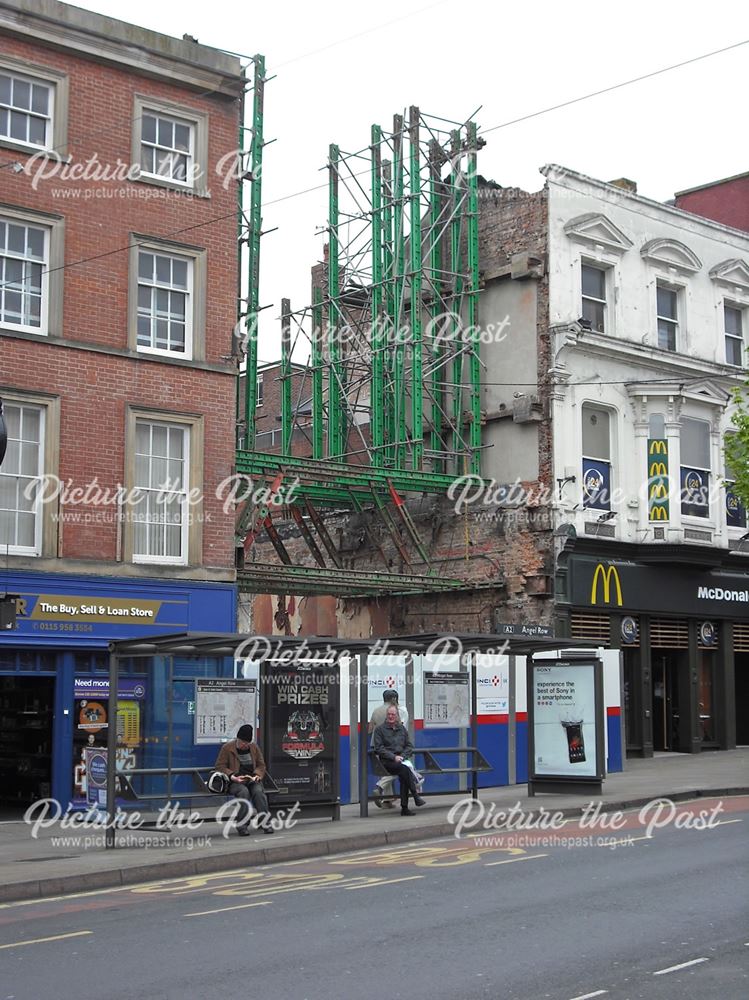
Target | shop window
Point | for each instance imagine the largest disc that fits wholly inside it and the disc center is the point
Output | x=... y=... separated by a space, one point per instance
x=596 y=457
x=594 y=305
x=20 y=477
x=160 y=512
x=33 y=106
x=162 y=521
x=695 y=467
x=170 y=144
x=167 y=288
x=667 y=317
x=733 y=319
x=735 y=509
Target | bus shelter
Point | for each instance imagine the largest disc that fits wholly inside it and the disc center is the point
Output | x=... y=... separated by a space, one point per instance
x=183 y=671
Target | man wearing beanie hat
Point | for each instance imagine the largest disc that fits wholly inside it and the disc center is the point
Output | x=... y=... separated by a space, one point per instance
x=242 y=762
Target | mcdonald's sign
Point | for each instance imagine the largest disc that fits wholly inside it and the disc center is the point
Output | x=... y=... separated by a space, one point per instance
x=607 y=574
x=658 y=481
x=658 y=490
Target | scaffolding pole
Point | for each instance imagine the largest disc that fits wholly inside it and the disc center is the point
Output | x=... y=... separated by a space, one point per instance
x=255 y=225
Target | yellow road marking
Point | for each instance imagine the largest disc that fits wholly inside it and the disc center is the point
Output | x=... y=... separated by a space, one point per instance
x=385 y=881
x=57 y=937
x=225 y=909
x=509 y=861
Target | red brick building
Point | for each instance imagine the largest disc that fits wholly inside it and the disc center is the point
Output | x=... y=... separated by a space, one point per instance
x=118 y=283
x=725 y=201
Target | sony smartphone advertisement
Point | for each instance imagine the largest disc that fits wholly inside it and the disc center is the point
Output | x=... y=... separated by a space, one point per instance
x=564 y=719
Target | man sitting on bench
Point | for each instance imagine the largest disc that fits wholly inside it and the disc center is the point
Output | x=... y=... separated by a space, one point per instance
x=386 y=784
x=393 y=746
x=242 y=762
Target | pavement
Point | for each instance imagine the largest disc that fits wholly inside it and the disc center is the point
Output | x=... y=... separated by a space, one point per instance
x=61 y=861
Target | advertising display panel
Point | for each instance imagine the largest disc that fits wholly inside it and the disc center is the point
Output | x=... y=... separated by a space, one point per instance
x=300 y=723
x=566 y=724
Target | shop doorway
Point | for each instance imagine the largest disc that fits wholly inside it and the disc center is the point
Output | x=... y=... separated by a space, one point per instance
x=632 y=700
x=667 y=665
x=741 y=666
x=26 y=718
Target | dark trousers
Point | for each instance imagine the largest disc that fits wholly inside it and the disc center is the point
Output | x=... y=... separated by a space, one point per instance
x=252 y=793
x=406 y=778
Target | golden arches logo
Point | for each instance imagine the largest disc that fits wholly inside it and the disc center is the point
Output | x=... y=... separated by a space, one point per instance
x=658 y=447
x=658 y=490
x=607 y=574
x=658 y=469
x=658 y=513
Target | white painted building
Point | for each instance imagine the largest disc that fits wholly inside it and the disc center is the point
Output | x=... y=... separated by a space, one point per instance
x=665 y=295
x=628 y=322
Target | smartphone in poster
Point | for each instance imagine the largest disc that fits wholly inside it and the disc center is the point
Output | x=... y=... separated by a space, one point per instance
x=564 y=720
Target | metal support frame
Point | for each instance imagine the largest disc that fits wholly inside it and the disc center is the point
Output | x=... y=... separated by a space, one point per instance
x=391 y=338
x=387 y=374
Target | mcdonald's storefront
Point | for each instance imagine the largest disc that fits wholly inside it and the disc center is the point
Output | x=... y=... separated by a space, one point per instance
x=680 y=618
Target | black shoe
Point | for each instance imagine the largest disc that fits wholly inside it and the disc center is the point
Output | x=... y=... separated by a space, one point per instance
x=378 y=797
x=418 y=801
x=268 y=829
x=242 y=831
x=407 y=812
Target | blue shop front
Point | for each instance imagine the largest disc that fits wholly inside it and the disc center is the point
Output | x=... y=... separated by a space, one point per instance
x=54 y=686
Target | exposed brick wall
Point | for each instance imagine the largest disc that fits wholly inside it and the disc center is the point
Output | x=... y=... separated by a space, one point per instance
x=94 y=387
x=508 y=558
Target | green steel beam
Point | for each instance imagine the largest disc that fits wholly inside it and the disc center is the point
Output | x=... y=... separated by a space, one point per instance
x=399 y=290
x=318 y=439
x=271 y=578
x=253 y=250
x=286 y=416
x=435 y=278
x=456 y=237
x=239 y=402
x=473 y=299
x=377 y=387
x=335 y=435
x=339 y=476
x=388 y=263
x=417 y=395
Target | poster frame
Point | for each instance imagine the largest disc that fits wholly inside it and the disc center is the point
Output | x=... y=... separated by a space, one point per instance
x=322 y=803
x=231 y=685
x=565 y=783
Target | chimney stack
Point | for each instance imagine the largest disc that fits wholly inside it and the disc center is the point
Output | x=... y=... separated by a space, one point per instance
x=625 y=184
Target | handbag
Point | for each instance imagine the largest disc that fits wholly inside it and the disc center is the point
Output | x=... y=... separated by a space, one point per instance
x=219 y=783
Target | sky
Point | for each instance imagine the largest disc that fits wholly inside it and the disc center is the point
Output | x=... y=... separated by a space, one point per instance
x=341 y=66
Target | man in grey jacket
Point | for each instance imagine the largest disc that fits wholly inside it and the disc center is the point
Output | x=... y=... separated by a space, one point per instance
x=393 y=746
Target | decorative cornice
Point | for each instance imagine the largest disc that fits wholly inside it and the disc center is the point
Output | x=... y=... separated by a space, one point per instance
x=146 y=53
x=671 y=253
x=733 y=272
x=563 y=175
x=596 y=229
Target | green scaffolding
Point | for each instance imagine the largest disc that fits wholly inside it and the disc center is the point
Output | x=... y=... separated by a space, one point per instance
x=386 y=374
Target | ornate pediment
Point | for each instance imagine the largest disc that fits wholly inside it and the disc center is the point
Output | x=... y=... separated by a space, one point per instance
x=671 y=254
x=733 y=272
x=596 y=230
